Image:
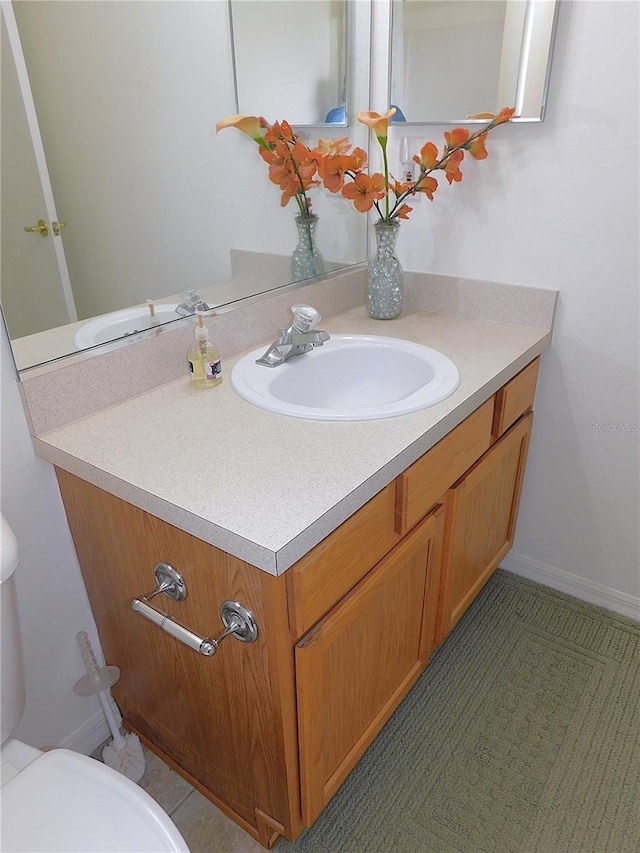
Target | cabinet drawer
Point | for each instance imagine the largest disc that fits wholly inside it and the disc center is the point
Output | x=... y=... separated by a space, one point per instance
x=425 y=482
x=515 y=398
x=320 y=579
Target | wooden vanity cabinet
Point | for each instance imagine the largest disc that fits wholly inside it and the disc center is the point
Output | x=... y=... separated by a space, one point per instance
x=270 y=730
x=227 y=723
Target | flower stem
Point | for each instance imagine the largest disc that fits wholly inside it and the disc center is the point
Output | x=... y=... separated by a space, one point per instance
x=303 y=206
x=386 y=182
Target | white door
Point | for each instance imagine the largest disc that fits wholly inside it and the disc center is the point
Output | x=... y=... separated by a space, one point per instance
x=35 y=290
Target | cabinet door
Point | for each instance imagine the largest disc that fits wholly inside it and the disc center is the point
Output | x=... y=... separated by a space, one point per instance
x=481 y=516
x=356 y=665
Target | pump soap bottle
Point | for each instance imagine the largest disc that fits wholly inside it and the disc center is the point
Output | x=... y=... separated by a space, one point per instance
x=205 y=369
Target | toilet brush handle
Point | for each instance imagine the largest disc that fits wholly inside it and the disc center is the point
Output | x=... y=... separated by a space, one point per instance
x=97 y=678
x=114 y=728
x=90 y=663
x=97 y=682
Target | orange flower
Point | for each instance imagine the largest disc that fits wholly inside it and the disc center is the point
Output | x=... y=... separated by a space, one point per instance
x=399 y=188
x=333 y=147
x=458 y=136
x=251 y=125
x=379 y=124
x=358 y=160
x=278 y=160
x=476 y=147
x=280 y=131
x=295 y=168
x=332 y=171
x=292 y=168
x=306 y=162
x=428 y=157
x=428 y=186
x=364 y=190
x=505 y=114
x=290 y=187
x=452 y=167
x=333 y=168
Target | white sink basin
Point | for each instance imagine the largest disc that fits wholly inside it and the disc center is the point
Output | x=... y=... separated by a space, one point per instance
x=119 y=324
x=350 y=378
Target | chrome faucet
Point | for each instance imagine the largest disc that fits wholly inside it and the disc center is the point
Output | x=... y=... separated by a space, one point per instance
x=297 y=339
x=192 y=302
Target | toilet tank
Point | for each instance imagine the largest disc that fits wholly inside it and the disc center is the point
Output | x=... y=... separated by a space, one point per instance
x=12 y=692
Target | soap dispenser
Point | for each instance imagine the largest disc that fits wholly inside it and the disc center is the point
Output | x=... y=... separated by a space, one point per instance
x=205 y=369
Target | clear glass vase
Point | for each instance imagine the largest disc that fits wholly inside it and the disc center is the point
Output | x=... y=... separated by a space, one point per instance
x=384 y=275
x=306 y=260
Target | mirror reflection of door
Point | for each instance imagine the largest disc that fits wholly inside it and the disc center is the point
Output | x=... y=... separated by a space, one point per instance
x=36 y=292
x=127 y=95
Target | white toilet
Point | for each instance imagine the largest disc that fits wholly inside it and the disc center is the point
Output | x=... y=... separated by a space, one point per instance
x=60 y=800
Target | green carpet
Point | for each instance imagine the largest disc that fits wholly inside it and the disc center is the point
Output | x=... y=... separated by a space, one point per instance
x=522 y=736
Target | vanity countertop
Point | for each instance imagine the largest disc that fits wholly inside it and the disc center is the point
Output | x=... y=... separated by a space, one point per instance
x=267 y=487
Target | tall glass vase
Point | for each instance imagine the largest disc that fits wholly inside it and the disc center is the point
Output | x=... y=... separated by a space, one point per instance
x=306 y=260
x=384 y=275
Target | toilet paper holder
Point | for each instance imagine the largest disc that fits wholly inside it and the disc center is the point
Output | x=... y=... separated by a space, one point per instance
x=237 y=620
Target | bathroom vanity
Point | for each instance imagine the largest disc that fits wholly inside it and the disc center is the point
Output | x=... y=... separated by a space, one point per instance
x=269 y=730
x=356 y=546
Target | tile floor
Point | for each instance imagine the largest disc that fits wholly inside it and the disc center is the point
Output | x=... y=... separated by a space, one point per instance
x=204 y=827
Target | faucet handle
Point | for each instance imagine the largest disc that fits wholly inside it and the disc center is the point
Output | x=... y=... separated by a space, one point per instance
x=194 y=301
x=305 y=317
x=191 y=297
x=316 y=339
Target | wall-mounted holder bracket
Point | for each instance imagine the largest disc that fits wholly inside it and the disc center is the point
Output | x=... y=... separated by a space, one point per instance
x=237 y=620
x=169 y=582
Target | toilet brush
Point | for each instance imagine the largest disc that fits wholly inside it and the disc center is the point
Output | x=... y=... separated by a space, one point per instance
x=124 y=753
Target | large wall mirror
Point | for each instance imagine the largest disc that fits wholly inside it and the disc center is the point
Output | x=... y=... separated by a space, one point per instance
x=453 y=58
x=128 y=193
x=144 y=201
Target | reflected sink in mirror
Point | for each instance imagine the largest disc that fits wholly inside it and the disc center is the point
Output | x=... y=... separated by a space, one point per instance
x=121 y=324
x=350 y=378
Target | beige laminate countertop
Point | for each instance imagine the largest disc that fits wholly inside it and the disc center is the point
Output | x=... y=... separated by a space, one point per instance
x=266 y=487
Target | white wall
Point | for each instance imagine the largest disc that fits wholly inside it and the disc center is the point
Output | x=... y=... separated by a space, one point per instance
x=52 y=599
x=556 y=205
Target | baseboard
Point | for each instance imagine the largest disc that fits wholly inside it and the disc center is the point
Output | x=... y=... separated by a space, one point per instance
x=88 y=737
x=578 y=587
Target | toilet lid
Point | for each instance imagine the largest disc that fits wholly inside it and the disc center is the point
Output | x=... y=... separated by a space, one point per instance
x=67 y=803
